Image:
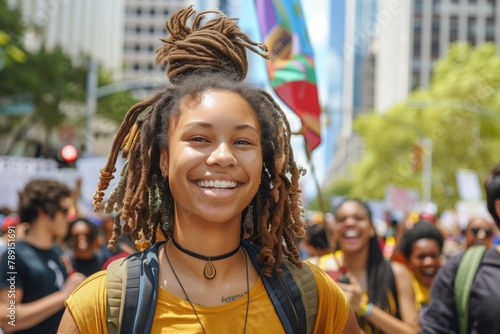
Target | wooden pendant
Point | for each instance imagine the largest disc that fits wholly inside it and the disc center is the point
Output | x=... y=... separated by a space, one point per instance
x=209 y=271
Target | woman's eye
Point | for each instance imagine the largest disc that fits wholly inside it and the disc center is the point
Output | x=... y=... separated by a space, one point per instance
x=242 y=142
x=198 y=139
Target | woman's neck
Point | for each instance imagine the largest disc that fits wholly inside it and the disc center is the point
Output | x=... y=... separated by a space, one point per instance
x=207 y=238
x=208 y=244
x=356 y=261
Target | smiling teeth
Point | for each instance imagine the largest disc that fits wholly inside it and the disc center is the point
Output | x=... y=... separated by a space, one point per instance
x=429 y=272
x=351 y=234
x=217 y=184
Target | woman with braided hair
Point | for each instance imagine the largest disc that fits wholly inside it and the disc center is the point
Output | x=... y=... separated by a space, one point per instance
x=380 y=291
x=208 y=150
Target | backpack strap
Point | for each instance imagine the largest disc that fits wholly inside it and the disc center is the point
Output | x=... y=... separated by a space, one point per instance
x=132 y=285
x=464 y=278
x=138 y=282
x=306 y=282
x=284 y=293
x=116 y=277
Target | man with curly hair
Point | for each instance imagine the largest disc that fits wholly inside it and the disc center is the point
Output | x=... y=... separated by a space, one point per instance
x=34 y=281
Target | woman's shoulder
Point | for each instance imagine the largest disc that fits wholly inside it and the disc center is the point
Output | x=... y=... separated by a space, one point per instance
x=95 y=282
x=400 y=269
x=87 y=303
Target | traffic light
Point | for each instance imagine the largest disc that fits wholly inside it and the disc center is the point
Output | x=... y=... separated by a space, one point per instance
x=417 y=157
x=67 y=156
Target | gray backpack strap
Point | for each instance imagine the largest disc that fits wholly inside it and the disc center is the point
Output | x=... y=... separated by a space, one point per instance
x=132 y=286
x=464 y=278
x=142 y=291
x=309 y=290
x=116 y=277
x=294 y=294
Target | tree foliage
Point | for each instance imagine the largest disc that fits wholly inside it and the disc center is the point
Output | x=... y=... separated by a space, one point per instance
x=11 y=30
x=54 y=82
x=459 y=112
x=114 y=106
x=341 y=187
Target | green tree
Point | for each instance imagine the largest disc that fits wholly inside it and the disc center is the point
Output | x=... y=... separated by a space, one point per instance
x=11 y=30
x=50 y=80
x=113 y=106
x=53 y=80
x=341 y=187
x=460 y=113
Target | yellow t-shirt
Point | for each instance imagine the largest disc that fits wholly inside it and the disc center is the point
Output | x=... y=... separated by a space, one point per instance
x=87 y=304
x=422 y=293
x=328 y=263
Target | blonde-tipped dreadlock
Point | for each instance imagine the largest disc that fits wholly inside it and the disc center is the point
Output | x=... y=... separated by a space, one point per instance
x=198 y=58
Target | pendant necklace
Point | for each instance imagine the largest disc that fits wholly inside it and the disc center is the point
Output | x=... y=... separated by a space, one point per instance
x=189 y=300
x=209 y=272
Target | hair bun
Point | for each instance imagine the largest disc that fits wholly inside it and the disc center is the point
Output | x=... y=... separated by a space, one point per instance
x=216 y=45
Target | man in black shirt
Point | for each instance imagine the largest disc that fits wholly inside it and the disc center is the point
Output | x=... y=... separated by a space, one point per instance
x=34 y=282
x=484 y=307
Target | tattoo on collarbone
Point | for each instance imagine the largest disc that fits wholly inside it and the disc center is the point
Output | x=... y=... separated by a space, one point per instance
x=232 y=298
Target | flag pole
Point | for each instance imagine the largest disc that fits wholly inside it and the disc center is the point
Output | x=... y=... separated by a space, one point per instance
x=319 y=195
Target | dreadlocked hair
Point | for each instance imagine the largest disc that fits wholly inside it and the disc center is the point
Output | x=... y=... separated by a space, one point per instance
x=217 y=45
x=201 y=58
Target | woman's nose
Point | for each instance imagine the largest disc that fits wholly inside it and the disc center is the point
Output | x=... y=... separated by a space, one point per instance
x=222 y=155
x=481 y=234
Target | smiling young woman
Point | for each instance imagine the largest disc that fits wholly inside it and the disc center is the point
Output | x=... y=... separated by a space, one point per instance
x=208 y=150
x=380 y=292
x=422 y=248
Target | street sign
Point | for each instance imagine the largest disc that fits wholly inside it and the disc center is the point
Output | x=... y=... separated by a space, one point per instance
x=16 y=105
x=18 y=109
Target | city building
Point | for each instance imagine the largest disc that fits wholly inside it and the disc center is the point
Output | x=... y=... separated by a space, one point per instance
x=418 y=32
x=353 y=43
x=90 y=27
x=144 y=25
x=389 y=50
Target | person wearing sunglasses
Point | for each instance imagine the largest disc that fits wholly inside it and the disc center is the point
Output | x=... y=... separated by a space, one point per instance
x=479 y=231
x=84 y=252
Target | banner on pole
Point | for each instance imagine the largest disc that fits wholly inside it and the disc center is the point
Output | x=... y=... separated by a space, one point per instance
x=291 y=64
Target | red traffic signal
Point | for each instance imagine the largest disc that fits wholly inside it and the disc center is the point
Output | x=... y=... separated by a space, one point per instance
x=69 y=153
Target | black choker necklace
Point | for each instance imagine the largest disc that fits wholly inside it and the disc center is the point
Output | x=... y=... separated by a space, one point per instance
x=209 y=271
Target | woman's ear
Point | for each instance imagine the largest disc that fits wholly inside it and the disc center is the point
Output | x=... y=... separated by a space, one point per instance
x=164 y=162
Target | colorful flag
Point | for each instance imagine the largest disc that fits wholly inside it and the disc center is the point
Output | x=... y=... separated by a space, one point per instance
x=291 y=64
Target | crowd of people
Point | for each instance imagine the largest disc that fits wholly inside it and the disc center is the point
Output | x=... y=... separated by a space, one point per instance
x=417 y=279
x=56 y=250
x=48 y=251
x=205 y=230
